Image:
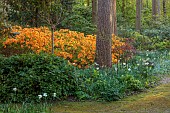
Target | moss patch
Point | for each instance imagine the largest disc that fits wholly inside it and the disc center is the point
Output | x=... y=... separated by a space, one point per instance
x=156 y=100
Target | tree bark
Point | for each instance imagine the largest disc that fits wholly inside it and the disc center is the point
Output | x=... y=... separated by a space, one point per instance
x=154 y=9
x=94 y=11
x=114 y=18
x=164 y=7
x=159 y=7
x=138 y=15
x=104 y=33
x=123 y=8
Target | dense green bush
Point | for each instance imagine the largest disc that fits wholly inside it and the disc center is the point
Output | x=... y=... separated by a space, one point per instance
x=24 y=77
x=99 y=84
x=80 y=20
x=148 y=39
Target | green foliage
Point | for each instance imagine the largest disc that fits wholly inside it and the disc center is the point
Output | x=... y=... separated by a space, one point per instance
x=95 y=84
x=78 y=23
x=80 y=20
x=148 y=39
x=24 y=77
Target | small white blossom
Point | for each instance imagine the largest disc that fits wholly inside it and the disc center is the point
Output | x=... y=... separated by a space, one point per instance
x=97 y=68
x=45 y=94
x=138 y=64
x=39 y=96
x=54 y=94
x=74 y=63
x=96 y=64
x=129 y=69
x=14 y=89
x=147 y=63
x=124 y=64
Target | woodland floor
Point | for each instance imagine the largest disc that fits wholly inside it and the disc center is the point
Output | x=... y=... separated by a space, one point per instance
x=155 y=100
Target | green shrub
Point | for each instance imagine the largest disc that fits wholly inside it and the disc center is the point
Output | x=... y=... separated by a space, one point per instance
x=24 y=77
x=98 y=84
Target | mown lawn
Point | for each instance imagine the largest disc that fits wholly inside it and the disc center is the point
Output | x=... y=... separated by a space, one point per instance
x=156 y=100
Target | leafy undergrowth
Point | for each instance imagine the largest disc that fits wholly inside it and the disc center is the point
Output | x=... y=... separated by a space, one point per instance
x=156 y=100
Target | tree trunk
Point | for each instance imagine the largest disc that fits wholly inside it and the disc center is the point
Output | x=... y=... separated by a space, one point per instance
x=88 y=2
x=138 y=15
x=154 y=9
x=164 y=7
x=159 y=7
x=36 y=17
x=114 y=18
x=104 y=33
x=94 y=11
x=123 y=8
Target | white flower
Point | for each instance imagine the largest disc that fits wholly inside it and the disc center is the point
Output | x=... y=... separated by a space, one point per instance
x=124 y=64
x=96 y=64
x=39 y=96
x=45 y=94
x=74 y=63
x=129 y=69
x=138 y=64
x=97 y=68
x=14 y=89
x=147 y=63
x=54 y=94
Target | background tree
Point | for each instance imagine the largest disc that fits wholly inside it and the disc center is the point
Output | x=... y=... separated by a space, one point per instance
x=154 y=9
x=94 y=11
x=164 y=7
x=114 y=18
x=138 y=15
x=104 y=33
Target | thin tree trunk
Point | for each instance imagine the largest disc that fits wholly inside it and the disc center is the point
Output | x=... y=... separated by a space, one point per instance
x=114 y=18
x=123 y=8
x=164 y=7
x=138 y=15
x=36 y=16
x=88 y=2
x=154 y=9
x=159 y=7
x=104 y=34
x=147 y=3
x=94 y=11
x=52 y=38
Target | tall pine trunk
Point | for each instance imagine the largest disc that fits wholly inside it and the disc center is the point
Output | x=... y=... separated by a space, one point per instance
x=104 y=33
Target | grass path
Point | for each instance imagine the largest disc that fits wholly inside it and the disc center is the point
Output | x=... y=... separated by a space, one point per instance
x=156 y=100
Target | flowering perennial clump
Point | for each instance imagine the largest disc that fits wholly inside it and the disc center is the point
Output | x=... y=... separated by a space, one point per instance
x=74 y=46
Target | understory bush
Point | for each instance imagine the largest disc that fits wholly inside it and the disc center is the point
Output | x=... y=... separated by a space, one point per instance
x=42 y=77
x=71 y=45
x=30 y=77
x=149 y=39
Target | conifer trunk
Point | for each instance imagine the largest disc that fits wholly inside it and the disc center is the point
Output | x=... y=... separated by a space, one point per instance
x=104 y=33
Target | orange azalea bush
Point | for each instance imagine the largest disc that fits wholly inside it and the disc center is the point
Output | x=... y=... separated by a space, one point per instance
x=71 y=45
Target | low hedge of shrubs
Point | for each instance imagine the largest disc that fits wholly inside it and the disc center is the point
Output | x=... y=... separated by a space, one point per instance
x=24 y=77
x=43 y=77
